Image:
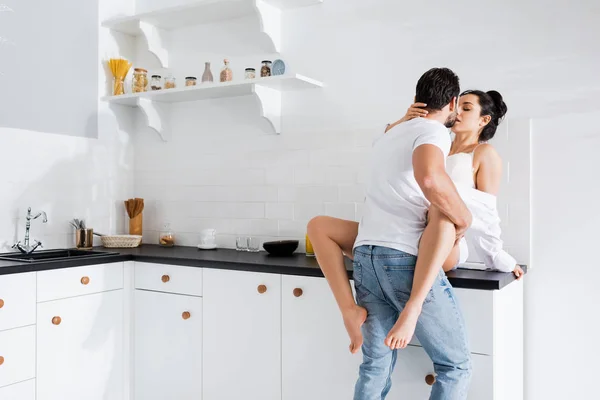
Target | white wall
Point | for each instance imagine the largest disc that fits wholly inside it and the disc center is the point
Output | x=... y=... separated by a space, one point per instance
x=562 y=297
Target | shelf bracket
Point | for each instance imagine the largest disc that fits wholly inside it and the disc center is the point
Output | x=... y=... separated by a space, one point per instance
x=270 y=101
x=157 y=42
x=157 y=115
x=270 y=22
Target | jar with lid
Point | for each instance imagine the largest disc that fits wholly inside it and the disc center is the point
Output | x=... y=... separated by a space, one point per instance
x=140 y=80
x=169 y=82
x=155 y=83
x=190 y=81
x=265 y=70
x=250 y=73
x=226 y=73
x=166 y=237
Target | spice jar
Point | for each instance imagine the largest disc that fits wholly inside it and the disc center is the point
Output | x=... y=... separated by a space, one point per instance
x=265 y=70
x=250 y=73
x=166 y=237
x=190 y=81
x=226 y=73
x=155 y=83
x=140 y=80
x=169 y=82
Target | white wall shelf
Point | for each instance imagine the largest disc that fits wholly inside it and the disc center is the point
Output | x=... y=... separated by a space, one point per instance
x=153 y=24
x=156 y=104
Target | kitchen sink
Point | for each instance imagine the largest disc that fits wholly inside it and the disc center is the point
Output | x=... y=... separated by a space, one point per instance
x=54 y=255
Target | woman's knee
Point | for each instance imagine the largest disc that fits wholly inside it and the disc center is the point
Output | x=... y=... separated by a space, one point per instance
x=317 y=225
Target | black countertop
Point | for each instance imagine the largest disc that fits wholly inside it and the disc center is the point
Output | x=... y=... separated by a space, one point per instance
x=298 y=264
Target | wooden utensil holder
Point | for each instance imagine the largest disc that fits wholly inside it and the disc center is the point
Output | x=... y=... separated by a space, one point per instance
x=135 y=225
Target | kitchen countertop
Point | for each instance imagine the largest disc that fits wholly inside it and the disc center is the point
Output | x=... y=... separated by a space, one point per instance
x=298 y=264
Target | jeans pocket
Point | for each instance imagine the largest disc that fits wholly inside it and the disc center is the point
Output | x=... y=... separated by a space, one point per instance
x=402 y=278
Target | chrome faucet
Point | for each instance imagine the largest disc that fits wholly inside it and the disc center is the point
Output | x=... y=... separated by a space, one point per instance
x=26 y=248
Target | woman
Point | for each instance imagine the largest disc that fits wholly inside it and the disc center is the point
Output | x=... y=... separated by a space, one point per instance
x=471 y=162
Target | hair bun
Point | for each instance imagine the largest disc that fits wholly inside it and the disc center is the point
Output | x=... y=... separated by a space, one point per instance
x=499 y=105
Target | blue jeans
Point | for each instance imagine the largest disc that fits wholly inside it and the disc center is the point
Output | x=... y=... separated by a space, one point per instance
x=383 y=279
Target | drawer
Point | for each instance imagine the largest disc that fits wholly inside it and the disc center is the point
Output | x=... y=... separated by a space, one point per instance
x=168 y=278
x=17 y=355
x=413 y=366
x=78 y=281
x=19 y=391
x=478 y=311
x=17 y=300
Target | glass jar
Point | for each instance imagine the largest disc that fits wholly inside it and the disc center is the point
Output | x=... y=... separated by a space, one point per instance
x=166 y=237
x=140 y=80
x=207 y=76
x=226 y=73
x=250 y=73
x=155 y=83
x=190 y=81
x=170 y=82
x=265 y=70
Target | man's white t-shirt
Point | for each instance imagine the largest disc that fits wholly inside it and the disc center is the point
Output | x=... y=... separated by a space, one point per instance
x=395 y=210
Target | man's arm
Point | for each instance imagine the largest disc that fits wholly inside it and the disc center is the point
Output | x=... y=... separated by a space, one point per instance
x=438 y=188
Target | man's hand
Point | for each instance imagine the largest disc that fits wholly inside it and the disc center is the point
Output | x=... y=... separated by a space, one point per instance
x=519 y=273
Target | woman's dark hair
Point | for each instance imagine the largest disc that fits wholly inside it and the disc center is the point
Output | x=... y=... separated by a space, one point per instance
x=493 y=105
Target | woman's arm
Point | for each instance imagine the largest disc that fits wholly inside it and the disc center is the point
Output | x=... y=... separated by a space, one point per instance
x=488 y=169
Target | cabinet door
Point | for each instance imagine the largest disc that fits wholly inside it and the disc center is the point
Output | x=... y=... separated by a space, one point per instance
x=20 y=391
x=413 y=366
x=168 y=346
x=80 y=348
x=317 y=363
x=242 y=335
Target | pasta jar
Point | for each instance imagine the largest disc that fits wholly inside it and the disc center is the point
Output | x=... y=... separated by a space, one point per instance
x=169 y=82
x=265 y=70
x=250 y=73
x=155 y=83
x=140 y=80
x=190 y=81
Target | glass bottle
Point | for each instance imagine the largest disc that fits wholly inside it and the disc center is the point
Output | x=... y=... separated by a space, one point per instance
x=170 y=82
x=265 y=70
x=250 y=73
x=166 y=237
x=190 y=81
x=155 y=83
x=226 y=73
x=140 y=80
x=207 y=76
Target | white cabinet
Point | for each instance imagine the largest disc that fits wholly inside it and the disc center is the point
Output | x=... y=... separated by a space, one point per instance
x=168 y=346
x=242 y=335
x=80 y=348
x=414 y=374
x=19 y=391
x=17 y=355
x=316 y=361
x=17 y=300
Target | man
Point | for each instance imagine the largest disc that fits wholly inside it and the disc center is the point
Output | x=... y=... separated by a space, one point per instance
x=407 y=179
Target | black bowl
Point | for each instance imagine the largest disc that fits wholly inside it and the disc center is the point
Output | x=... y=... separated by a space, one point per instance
x=281 y=248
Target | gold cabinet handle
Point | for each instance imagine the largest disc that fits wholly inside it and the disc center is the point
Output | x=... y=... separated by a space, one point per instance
x=261 y=289
x=56 y=320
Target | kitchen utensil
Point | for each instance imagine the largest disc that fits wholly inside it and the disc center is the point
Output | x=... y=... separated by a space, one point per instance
x=84 y=238
x=281 y=248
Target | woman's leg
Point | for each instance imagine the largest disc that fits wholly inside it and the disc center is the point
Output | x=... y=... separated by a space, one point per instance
x=437 y=243
x=331 y=237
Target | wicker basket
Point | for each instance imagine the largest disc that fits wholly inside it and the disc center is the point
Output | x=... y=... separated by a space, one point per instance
x=121 y=241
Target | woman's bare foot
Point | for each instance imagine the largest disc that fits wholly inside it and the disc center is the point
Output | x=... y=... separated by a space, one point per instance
x=354 y=318
x=403 y=330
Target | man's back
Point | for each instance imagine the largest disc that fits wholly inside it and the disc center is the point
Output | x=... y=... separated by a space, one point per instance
x=395 y=208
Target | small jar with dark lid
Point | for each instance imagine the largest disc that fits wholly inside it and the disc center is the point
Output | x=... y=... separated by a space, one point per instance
x=265 y=70
x=190 y=81
x=155 y=83
x=250 y=73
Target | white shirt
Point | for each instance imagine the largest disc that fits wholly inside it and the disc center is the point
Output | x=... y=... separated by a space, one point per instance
x=395 y=208
x=483 y=236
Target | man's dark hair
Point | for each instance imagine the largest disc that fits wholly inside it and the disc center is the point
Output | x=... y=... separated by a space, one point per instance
x=437 y=87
